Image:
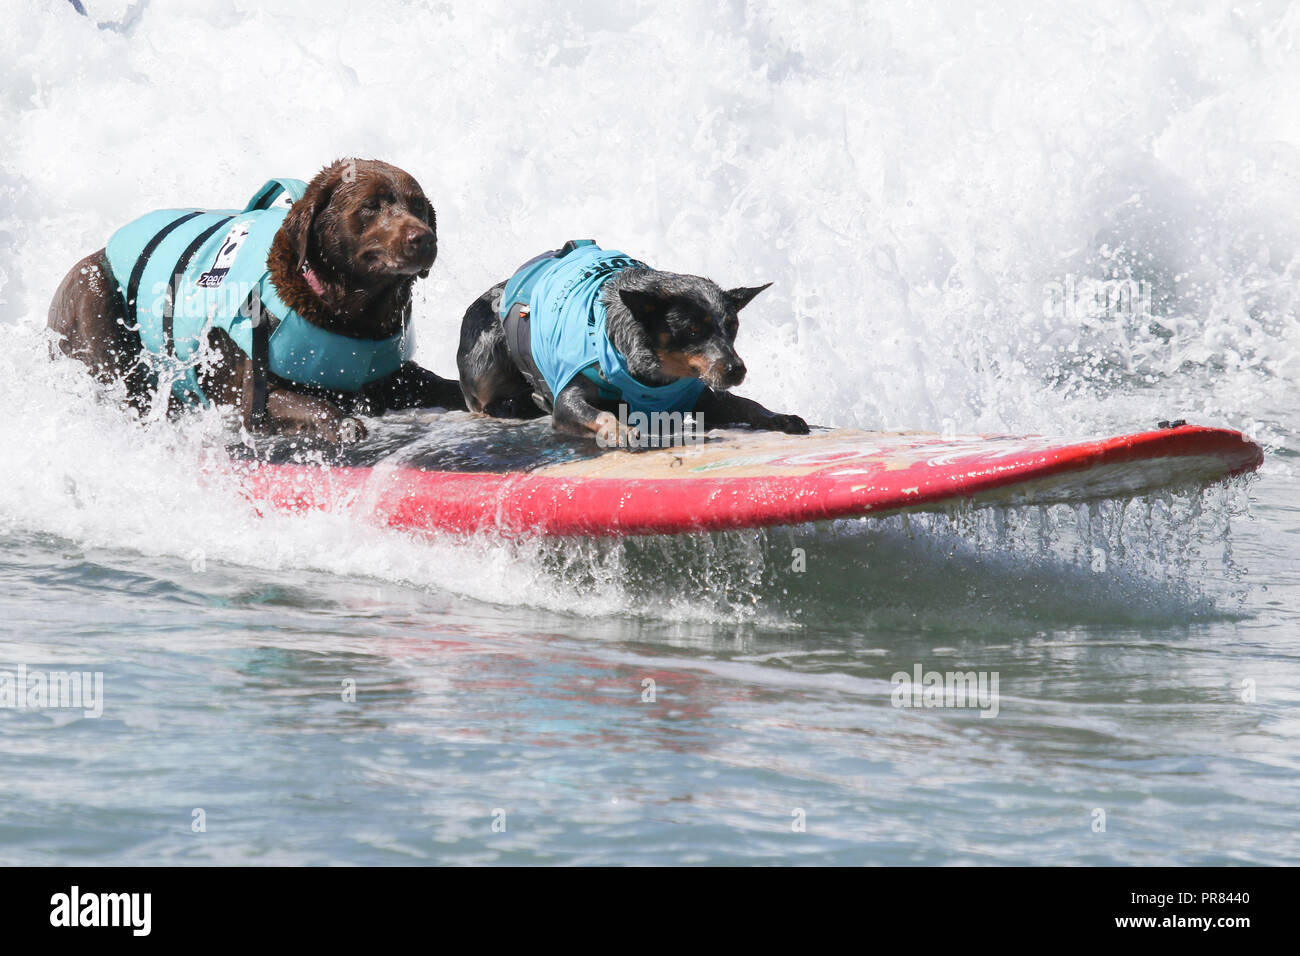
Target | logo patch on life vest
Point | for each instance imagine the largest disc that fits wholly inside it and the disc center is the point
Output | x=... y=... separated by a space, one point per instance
x=226 y=257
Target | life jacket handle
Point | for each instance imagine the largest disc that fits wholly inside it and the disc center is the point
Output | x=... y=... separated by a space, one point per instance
x=279 y=191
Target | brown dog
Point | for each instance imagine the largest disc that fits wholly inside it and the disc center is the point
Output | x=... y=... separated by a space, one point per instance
x=344 y=259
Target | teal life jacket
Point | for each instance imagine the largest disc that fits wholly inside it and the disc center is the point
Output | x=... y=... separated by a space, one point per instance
x=184 y=272
x=555 y=325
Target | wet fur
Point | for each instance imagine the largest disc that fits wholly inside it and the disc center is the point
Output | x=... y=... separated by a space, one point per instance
x=366 y=261
x=650 y=318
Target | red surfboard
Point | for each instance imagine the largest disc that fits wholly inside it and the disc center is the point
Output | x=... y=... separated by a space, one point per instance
x=432 y=474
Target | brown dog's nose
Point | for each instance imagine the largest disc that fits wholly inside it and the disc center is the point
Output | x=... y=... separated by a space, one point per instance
x=419 y=241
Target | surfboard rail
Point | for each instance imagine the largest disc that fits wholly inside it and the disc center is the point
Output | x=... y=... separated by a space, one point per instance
x=759 y=480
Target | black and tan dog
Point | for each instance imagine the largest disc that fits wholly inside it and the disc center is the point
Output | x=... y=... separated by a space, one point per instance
x=337 y=266
x=582 y=330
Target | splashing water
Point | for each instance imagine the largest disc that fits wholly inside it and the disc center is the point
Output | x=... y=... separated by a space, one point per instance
x=1125 y=273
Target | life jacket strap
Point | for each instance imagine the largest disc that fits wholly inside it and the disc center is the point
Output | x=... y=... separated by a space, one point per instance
x=178 y=273
x=150 y=247
x=518 y=330
x=260 y=357
x=519 y=343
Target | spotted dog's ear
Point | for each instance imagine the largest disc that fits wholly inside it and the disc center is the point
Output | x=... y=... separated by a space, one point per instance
x=297 y=224
x=648 y=307
x=742 y=297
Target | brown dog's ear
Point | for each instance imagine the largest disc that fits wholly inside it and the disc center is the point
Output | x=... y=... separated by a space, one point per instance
x=297 y=224
x=431 y=220
x=742 y=297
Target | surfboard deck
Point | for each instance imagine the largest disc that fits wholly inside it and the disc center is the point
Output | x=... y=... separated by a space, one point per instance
x=434 y=473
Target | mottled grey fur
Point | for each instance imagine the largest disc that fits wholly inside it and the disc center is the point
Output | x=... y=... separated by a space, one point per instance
x=697 y=296
x=666 y=326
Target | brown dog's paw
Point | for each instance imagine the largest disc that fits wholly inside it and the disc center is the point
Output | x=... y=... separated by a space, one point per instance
x=351 y=430
x=343 y=431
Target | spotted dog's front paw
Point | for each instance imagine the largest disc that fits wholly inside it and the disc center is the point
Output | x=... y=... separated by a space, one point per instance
x=790 y=424
x=611 y=433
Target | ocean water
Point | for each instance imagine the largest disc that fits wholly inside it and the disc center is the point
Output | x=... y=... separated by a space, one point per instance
x=989 y=217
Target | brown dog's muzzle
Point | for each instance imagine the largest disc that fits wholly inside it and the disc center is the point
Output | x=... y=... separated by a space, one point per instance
x=402 y=248
x=421 y=244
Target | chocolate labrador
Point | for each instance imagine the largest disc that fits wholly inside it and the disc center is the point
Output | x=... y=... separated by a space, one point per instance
x=296 y=311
